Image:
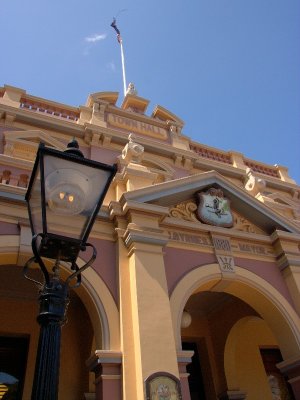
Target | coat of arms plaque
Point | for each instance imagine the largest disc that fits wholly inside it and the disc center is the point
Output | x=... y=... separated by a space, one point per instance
x=214 y=208
x=163 y=386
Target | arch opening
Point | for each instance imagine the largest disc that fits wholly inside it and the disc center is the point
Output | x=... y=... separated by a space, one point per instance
x=216 y=306
x=19 y=309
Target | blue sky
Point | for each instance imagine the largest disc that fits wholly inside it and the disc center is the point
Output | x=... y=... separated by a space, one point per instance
x=229 y=68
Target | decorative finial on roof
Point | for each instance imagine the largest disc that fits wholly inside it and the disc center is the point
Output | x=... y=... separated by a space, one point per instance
x=131 y=89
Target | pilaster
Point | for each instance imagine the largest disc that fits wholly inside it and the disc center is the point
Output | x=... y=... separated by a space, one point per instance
x=107 y=368
x=98 y=113
x=137 y=176
x=177 y=139
x=237 y=160
x=284 y=174
x=12 y=96
x=184 y=358
x=286 y=246
x=144 y=303
x=291 y=369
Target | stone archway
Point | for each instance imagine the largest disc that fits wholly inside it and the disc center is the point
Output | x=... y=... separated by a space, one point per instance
x=99 y=302
x=19 y=309
x=263 y=301
x=242 y=357
x=250 y=288
x=102 y=309
x=93 y=319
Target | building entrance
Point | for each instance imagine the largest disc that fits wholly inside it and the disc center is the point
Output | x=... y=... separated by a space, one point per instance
x=279 y=386
x=13 y=359
x=195 y=378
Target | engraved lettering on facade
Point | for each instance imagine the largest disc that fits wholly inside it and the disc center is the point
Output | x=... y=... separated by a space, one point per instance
x=250 y=248
x=185 y=238
x=136 y=126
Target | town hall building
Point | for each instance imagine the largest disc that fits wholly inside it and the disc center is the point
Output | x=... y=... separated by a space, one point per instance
x=195 y=292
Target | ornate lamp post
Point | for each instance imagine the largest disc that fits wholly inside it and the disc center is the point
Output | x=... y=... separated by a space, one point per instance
x=65 y=193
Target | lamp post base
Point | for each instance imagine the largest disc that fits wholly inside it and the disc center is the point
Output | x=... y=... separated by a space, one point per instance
x=54 y=300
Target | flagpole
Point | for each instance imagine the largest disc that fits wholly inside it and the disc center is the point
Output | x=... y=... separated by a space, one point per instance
x=119 y=39
x=123 y=68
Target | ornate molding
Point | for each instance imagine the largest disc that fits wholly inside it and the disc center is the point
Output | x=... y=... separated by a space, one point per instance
x=185 y=211
x=23 y=144
x=243 y=224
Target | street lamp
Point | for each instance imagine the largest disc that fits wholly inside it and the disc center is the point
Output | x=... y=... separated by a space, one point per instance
x=65 y=193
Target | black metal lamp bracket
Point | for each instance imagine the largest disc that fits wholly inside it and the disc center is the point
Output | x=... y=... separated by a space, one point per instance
x=36 y=259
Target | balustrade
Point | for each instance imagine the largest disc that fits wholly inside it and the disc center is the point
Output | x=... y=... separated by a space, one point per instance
x=48 y=109
x=8 y=178
x=262 y=169
x=225 y=158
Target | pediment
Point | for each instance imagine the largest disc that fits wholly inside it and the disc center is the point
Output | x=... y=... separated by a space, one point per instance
x=23 y=144
x=109 y=97
x=187 y=211
x=165 y=115
x=246 y=209
x=134 y=103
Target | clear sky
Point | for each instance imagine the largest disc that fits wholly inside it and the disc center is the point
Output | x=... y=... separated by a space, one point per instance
x=229 y=68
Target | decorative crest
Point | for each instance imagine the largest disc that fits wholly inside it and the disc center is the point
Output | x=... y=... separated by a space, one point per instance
x=214 y=208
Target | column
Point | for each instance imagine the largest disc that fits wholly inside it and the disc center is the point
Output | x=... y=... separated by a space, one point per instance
x=184 y=358
x=285 y=246
x=106 y=365
x=146 y=326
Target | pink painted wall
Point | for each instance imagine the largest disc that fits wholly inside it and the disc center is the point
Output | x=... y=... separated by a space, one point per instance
x=1 y=139
x=269 y=272
x=15 y=171
x=179 y=262
x=104 y=155
x=105 y=264
x=180 y=173
x=9 y=229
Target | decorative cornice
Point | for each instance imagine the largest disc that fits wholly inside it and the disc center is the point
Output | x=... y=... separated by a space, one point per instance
x=43 y=120
x=104 y=357
x=132 y=237
x=147 y=208
x=184 y=356
x=13 y=99
x=197 y=227
x=9 y=161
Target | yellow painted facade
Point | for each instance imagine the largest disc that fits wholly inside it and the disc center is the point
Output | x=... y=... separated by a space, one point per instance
x=159 y=260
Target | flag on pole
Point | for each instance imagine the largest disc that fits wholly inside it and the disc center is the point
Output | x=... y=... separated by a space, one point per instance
x=114 y=25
